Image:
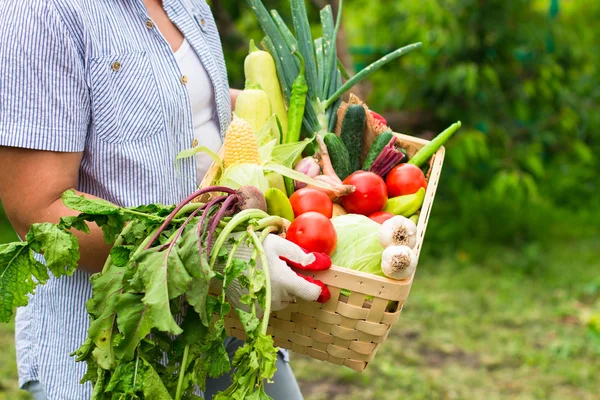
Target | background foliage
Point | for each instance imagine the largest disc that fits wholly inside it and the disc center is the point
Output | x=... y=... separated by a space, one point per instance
x=505 y=304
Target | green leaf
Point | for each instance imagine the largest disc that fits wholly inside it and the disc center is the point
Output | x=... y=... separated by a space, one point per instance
x=122 y=380
x=88 y=206
x=164 y=277
x=268 y=354
x=20 y=273
x=199 y=149
x=119 y=255
x=305 y=45
x=248 y=320
x=265 y=151
x=139 y=230
x=243 y=175
x=237 y=267
x=198 y=268
x=76 y=222
x=287 y=154
x=106 y=287
x=158 y=210
x=266 y=134
x=60 y=248
x=152 y=385
x=298 y=176
x=133 y=322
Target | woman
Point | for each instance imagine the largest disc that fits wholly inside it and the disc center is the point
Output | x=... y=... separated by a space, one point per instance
x=101 y=96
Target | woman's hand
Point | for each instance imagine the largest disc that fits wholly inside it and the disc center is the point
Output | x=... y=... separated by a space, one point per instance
x=286 y=284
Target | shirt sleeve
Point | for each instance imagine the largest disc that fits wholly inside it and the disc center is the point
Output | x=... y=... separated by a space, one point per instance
x=44 y=98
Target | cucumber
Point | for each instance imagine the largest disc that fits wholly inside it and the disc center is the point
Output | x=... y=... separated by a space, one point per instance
x=351 y=134
x=338 y=154
x=380 y=142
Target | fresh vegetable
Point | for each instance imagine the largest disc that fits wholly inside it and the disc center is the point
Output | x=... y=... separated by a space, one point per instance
x=381 y=216
x=398 y=231
x=337 y=189
x=340 y=158
x=389 y=157
x=352 y=133
x=338 y=210
x=313 y=232
x=406 y=205
x=240 y=146
x=378 y=117
x=398 y=262
x=309 y=167
x=426 y=152
x=308 y=199
x=158 y=273
x=324 y=80
x=279 y=204
x=253 y=106
x=259 y=68
x=367 y=71
x=275 y=180
x=405 y=179
x=370 y=194
x=297 y=103
x=358 y=244
x=380 y=142
x=415 y=218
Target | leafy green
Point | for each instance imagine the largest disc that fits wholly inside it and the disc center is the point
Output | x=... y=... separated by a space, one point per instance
x=20 y=273
x=134 y=324
x=164 y=278
x=358 y=244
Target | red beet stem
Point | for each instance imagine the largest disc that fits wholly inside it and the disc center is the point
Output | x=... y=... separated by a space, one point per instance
x=209 y=206
x=183 y=204
x=217 y=217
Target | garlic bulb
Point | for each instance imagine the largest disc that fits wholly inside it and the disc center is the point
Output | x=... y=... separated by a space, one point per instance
x=398 y=262
x=398 y=231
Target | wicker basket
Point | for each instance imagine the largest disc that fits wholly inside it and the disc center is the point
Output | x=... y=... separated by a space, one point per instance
x=347 y=330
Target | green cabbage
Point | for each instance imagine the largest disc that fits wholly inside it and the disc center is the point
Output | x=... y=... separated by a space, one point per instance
x=358 y=246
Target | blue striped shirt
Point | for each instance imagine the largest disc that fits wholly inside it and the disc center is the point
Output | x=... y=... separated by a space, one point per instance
x=96 y=76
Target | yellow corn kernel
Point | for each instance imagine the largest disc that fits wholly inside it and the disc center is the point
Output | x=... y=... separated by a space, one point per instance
x=241 y=146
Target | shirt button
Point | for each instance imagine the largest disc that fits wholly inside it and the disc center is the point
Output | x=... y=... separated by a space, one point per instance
x=149 y=24
x=195 y=143
x=116 y=66
x=203 y=22
x=184 y=80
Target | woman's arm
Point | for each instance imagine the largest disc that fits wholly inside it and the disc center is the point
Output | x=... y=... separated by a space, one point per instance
x=31 y=185
x=233 y=93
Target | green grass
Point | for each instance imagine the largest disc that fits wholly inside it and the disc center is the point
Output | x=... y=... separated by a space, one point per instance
x=490 y=331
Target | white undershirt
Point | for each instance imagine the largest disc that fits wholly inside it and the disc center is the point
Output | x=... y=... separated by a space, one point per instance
x=202 y=98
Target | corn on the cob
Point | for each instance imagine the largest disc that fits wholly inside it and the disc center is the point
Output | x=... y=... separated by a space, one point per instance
x=241 y=146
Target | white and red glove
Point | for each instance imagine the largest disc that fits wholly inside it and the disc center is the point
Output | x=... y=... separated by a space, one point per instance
x=286 y=284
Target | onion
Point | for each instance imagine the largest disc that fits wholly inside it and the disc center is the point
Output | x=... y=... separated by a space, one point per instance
x=309 y=167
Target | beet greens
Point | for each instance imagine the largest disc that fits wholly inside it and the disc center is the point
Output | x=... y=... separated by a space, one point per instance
x=156 y=330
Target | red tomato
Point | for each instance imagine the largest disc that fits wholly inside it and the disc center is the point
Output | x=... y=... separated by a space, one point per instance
x=308 y=199
x=370 y=195
x=381 y=216
x=405 y=179
x=313 y=232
